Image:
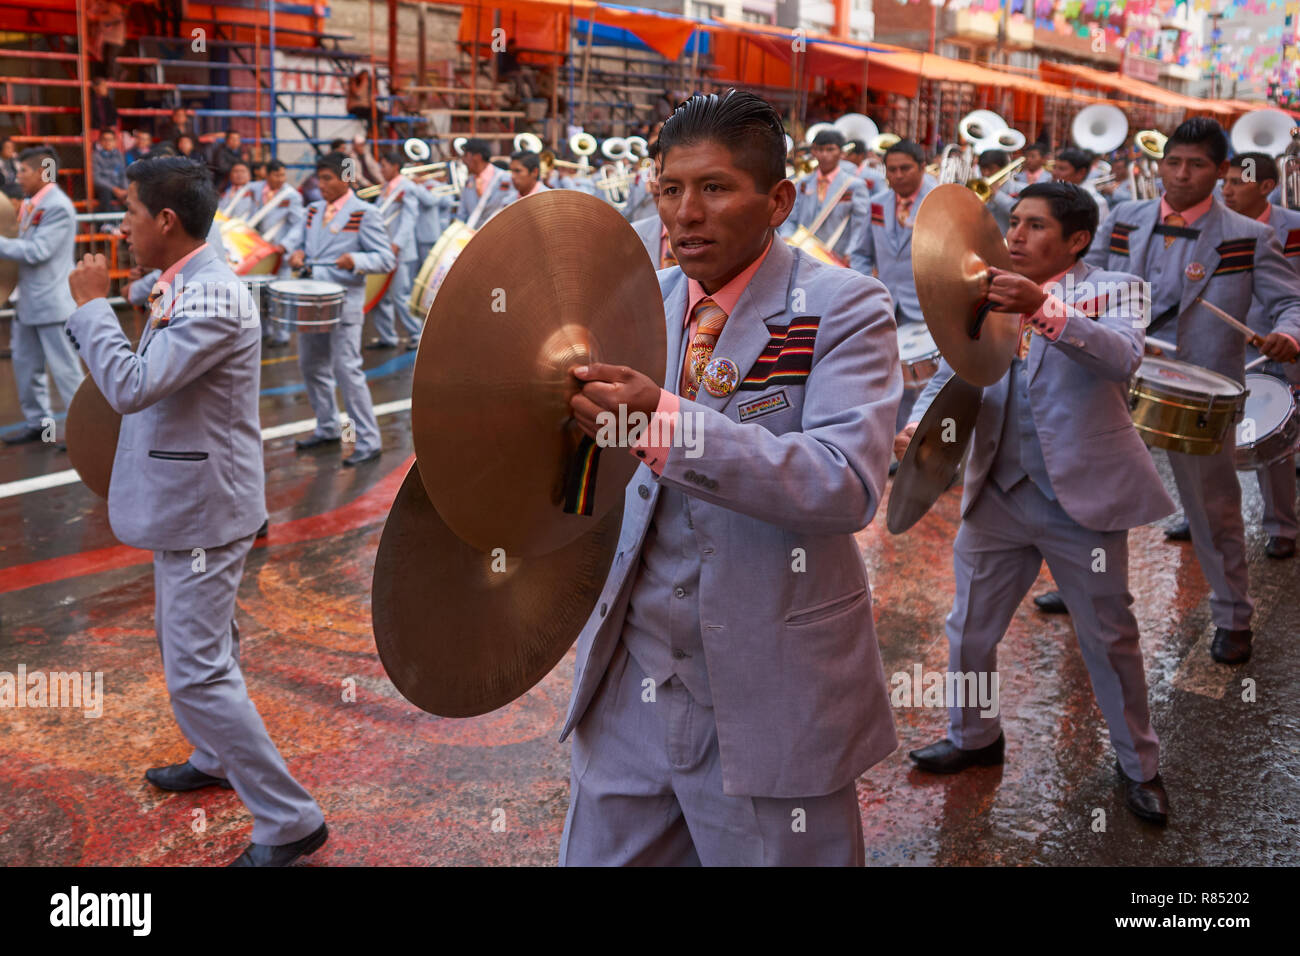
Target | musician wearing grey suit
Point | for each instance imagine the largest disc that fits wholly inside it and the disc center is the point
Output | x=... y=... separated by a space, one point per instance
x=188 y=483
x=1057 y=471
x=837 y=197
x=728 y=689
x=489 y=189
x=1250 y=179
x=43 y=249
x=278 y=215
x=237 y=202
x=139 y=288
x=1187 y=244
x=399 y=207
x=348 y=232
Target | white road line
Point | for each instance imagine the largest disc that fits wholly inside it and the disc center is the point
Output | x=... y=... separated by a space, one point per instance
x=55 y=479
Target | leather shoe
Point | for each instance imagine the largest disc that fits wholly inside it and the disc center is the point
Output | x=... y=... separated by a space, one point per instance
x=1051 y=602
x=374 y=344
x=260 y=854
x=1146 y=798
x=359 y=458
x=264 y=530
x=315 y=441
x=1231 y=647
x=29 y=433
x=1179 y=532
x=1280 y=548
x=412 y=345
x=947 y=757
x=182 y=776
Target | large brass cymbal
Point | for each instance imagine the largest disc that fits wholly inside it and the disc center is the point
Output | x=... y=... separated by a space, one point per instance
x=459 y=638
x=954 y=242
x=8 y=267
x=91 y=432
x=934 y=454
x=552 y=282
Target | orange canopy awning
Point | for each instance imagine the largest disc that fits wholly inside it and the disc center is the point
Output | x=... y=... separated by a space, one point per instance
x=1104 y=80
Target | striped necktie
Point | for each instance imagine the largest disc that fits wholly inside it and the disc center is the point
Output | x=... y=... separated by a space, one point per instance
x=709 y=320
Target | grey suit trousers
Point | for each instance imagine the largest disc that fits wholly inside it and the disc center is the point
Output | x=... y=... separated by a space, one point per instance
x=646 y=790
x=38 y=349
x=335 y=356
x=392 y=312
x=194 y=613
x=1211 y=497
x=1277 y=487
x=1000 y=547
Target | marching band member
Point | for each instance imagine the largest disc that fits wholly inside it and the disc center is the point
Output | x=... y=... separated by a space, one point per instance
x=1034 y=489
x=717 y=692
x=1188 y=244
x=43 y=249
x=350 y=232
x=238 y=201
x=488 y=190
x=654 y=236
x=525 y=168
x=1033 y=171
x=1000 y=203
x=188 y=484
x=830 y=185
x=1072 y=166
x=640 y=198
x=399 y=207
x=278 y=215
x=886 y=249
x=1247 y=193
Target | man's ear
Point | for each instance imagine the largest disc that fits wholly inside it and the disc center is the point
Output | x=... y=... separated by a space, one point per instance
x=782 y=195
x=1079 y=242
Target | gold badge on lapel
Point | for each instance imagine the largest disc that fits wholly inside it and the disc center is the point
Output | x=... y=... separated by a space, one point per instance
x=720 y=377
x=1194 y=271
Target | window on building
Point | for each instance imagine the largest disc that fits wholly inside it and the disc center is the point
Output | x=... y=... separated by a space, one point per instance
x=706 y=10
x=757 y=16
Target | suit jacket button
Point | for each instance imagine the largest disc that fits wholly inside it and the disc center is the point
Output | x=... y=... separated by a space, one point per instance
x=643 y=491
x=680 y=592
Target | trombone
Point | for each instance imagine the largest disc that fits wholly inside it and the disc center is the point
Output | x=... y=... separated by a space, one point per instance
x=984 y=188
x=424 y=172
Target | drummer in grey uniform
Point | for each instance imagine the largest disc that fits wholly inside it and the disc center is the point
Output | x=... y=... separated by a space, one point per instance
x=489 y=189
x=278 y=215
x=1246 y=187
x=1187 y=244
x=399 y=207
x=237 y=201
x=348 y=232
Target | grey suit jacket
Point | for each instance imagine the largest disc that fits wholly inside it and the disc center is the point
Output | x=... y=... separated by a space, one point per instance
x=793 y=461
x=188 y=469
x=44 y=253
x=281 y=225
x=650 y=230
x=499 y=194
x=357 y=229
x=853 y=206
x=1242 y=261
x=1101 y=471
x=399 y=212
x=887 y=247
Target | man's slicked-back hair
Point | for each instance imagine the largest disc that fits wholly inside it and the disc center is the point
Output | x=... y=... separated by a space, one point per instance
x=829 y=137
x=42 y=157
x=1072 y=206
x=905 y=147
x=1264 y=164
x=334 y=162
x=178 y=184
x=1078 y=158
x=526 y=158
x=478 y=147
x=745 y=125
x=274 y=166
x=1204 y=132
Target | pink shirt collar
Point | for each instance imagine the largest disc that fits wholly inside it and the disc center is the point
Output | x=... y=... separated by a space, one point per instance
x=726 y=297
x=484 y=179
x=1189 y=215
x=337 y=204
x=166 y=283
x=41 y=193
x=1263 y=217
x=537 y=188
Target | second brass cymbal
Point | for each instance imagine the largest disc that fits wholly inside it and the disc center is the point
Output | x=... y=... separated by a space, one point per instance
x=91 y=433
x=954 y=242
x=550 y=283
x=8 y=267
x=934 y=454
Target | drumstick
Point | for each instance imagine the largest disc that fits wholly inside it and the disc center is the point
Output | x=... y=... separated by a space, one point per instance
x=1253 y=337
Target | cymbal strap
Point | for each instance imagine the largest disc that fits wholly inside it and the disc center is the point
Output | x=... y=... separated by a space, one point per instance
x=580 y=478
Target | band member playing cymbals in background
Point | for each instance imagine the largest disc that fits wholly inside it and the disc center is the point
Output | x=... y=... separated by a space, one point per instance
x=1057 y=473
x=188 y=484
x=1189 y=246
x=718 y=687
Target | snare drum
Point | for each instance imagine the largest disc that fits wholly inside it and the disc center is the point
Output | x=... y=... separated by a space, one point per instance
x=1270 y=429
x=308 y=305
x=1182 y=407
x=918 y=353
x=246 y=250
x=257 y=286
x=436 y=265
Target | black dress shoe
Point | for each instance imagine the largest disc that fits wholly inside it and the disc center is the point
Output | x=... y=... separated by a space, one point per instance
x=29 y=433
x=357 y=458
x=1147 y=799
x=262 y=531
x=1231 y=647
x=315 y=441
x=412 y=345
x=182 y=776
x=374 y=344
x=946 y=757
x=1280 y=548
x=1179 y=532
x=259 y=854
x=1051 y=603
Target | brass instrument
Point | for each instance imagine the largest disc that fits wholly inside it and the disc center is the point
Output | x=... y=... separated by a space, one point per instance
x=1142 y=171
x=1288 y=172
x=882 y=142
x=957 y=164
x=416 y=150
x=426 y=171
x=548 y=161
x=984 y=188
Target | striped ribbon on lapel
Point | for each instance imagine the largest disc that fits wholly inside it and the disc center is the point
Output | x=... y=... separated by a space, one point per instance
x=1235 y=255
x=1119 y=238
x=787 y=358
